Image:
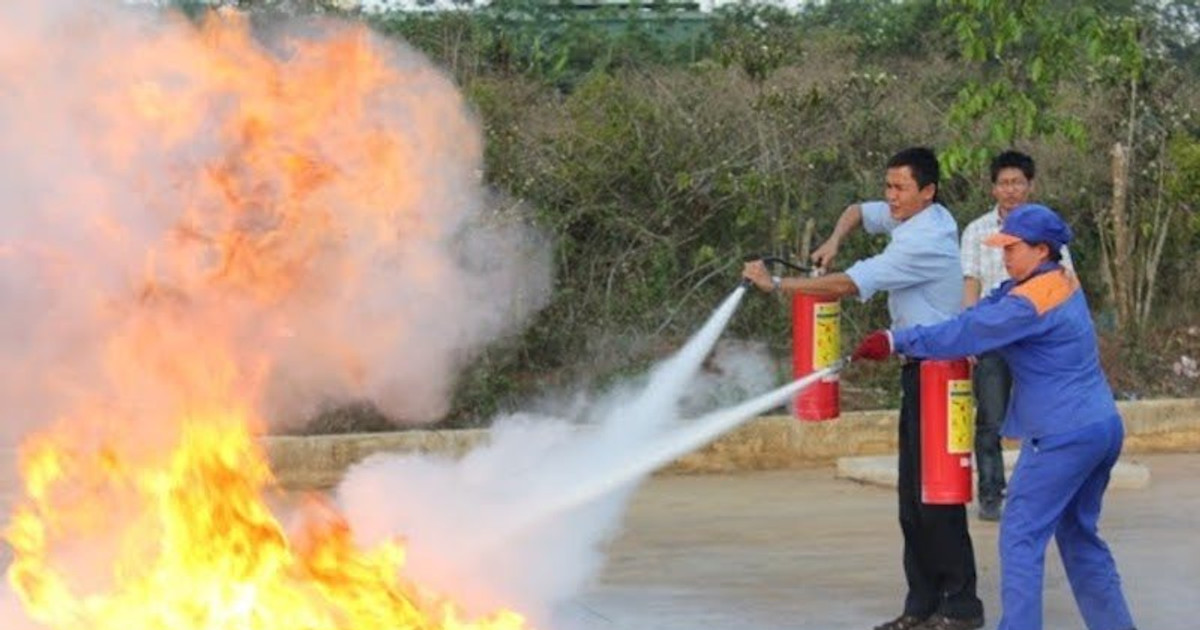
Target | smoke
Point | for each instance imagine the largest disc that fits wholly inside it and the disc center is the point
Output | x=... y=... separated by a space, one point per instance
x=296 y=212
x=522 y=521
x=10 y=611
x=736 y=370
x=201 y=219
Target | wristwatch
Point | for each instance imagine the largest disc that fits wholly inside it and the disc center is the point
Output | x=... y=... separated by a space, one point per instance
x=776 y=283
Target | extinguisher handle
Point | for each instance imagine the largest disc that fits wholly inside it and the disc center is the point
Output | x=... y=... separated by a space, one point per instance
x=771 y=261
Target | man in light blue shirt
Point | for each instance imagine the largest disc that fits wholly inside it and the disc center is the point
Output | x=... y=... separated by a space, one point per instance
x=915 y=268
x=921 y=271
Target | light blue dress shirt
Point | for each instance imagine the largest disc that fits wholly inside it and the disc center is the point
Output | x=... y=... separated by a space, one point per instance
x=920 y=268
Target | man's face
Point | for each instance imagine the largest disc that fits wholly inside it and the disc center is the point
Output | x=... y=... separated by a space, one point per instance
x=1021 y=258
x=903 y=196
x=1010 y=189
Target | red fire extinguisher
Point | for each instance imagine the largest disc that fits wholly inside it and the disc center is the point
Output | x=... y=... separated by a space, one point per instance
x=947 y=432
x=816 y=344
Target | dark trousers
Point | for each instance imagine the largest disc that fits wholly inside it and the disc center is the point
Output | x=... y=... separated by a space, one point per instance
x=993 y=386
x=939 y=561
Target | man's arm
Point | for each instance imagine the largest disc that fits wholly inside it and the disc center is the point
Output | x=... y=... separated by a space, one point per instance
x=972 y=264
x=835 y=284
x=972 y=289
x=831 y=285
x=850 y=219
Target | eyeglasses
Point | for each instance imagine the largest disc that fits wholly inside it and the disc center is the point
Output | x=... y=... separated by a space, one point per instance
x=1011 y=183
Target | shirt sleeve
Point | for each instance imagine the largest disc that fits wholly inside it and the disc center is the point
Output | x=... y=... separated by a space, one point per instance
x=903 y=263
x=972 y=262
x=990 y=325
x=876 y=217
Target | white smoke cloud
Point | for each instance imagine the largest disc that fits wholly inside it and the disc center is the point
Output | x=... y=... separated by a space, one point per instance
x=125 y=141
x=737 y=370
x=458 y=546
x=522 y=522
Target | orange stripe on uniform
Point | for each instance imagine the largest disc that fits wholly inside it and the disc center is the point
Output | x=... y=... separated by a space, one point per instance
x=1048 y=290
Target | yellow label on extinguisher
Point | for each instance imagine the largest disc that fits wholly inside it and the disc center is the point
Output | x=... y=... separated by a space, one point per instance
x=827 y=334
x=960 y=417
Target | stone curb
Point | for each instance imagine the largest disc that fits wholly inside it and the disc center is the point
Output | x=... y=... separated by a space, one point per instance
x=769 y=442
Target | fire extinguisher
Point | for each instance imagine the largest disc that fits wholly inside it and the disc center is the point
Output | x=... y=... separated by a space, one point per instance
x=947 y=432
x=816 y=344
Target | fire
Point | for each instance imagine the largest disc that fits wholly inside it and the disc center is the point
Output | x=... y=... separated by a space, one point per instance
x=148 y=505
x=199 y=548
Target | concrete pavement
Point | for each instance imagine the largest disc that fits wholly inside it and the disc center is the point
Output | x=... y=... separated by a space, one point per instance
x=800 y=549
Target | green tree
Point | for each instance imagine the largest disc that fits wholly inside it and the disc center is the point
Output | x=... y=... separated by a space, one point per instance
x=1028 y=50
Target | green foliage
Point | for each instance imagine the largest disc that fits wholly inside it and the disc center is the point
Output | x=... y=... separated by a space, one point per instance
x=883 y=29
x=1026 y=49
x=1182 y=189
x=757 y=38
x=1183 y=183
x=658 y=149
x=556 y=43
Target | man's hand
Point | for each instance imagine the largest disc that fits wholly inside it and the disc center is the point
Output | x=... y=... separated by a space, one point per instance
x=850 y=219
x=755 y=271
x=823 y=255
x=876 y=346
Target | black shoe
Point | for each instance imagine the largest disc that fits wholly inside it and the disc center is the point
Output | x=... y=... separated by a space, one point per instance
x=942 y=622
x=903 y=622
x=991 y=509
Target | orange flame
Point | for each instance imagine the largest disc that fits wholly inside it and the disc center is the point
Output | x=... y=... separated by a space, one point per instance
x=152 y=511
x=199 y=549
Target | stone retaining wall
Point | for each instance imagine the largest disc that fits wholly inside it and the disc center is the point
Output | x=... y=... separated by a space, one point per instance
x=764 y=443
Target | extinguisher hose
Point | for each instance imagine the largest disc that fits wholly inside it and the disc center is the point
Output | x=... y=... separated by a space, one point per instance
x=775 y=260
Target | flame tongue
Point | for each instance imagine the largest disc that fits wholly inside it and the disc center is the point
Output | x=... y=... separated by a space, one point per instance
x=199 y=548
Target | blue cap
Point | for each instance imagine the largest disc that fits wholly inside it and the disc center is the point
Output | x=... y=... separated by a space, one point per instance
x=1032 y=223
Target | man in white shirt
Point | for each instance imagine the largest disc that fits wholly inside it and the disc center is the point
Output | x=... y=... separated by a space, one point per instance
x=1013 y=173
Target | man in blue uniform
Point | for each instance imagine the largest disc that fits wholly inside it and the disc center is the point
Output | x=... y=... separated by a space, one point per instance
x=1061 y=409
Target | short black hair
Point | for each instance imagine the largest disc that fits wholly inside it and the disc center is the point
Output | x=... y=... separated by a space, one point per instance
x=1013 y=159
x=923 y=163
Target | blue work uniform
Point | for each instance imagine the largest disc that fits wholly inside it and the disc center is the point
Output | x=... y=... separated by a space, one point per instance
x=1063 y=411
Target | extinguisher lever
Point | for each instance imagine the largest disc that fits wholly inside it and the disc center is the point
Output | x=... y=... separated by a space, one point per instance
x=771 y=261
